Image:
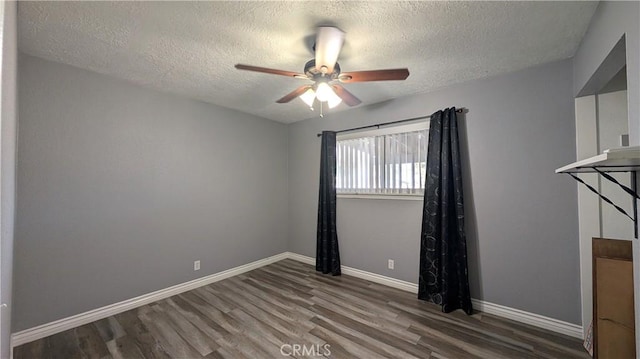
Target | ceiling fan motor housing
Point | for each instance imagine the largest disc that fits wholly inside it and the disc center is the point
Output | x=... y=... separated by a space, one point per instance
x=313 y=73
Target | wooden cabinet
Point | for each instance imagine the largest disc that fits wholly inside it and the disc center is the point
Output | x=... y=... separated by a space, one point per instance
x=613 y=312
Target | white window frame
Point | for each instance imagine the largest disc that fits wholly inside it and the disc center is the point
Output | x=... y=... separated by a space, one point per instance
x=387 y=130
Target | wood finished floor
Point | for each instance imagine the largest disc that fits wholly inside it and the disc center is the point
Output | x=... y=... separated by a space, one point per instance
x=252 y=315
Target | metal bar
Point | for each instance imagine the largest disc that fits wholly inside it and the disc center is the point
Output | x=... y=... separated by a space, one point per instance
x=460 y=110
x=601 y=196
x=413 y=162
x=634 y=186
x=624 y=188
x=631 y=191
x=372 y=167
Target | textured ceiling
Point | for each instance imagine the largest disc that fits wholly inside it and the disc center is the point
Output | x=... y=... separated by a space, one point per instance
x=189 y=48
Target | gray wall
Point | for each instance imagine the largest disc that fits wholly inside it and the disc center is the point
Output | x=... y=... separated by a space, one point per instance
x=612 y=122
x=589 y=224
x=600 y=120
x=521 y=217
x=611 y=21
x=8 y=165
x=121 y=188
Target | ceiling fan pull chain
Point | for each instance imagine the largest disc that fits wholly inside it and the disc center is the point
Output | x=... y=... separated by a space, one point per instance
x=321 y=114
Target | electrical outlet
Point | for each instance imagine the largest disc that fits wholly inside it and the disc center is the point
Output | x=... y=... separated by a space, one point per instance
x=196 y=265
x=624 y=140
x=391 y=264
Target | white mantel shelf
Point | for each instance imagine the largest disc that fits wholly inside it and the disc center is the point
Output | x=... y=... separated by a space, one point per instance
x=624 y=159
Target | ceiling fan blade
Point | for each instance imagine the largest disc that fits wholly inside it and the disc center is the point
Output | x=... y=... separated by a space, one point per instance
x=328 y=45
x=374 y=75
x=293 y=94
x=346 y=96
x=270 y=71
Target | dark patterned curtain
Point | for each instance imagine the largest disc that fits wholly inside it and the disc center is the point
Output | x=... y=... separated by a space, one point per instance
x=444 y=279
x=327 y=253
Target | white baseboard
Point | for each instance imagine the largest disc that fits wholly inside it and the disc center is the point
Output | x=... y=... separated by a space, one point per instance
x=358 y=273
x=517 y=315
x=45 y=330
x=540 y=321
x=301 y=258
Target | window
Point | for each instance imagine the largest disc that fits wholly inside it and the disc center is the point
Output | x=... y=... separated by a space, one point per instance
x=390 y=161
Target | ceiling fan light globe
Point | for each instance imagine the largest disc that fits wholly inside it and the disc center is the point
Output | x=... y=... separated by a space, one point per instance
x=334 y=100
x=308 y=97
x=324 y=92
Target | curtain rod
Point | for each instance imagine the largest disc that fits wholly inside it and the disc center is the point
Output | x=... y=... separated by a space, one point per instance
x=460 y=110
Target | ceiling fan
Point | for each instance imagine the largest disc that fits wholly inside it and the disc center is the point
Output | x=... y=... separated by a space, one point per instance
x=324 y=71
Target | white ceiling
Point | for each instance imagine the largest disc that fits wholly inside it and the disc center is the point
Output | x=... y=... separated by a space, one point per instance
x=190 y=48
